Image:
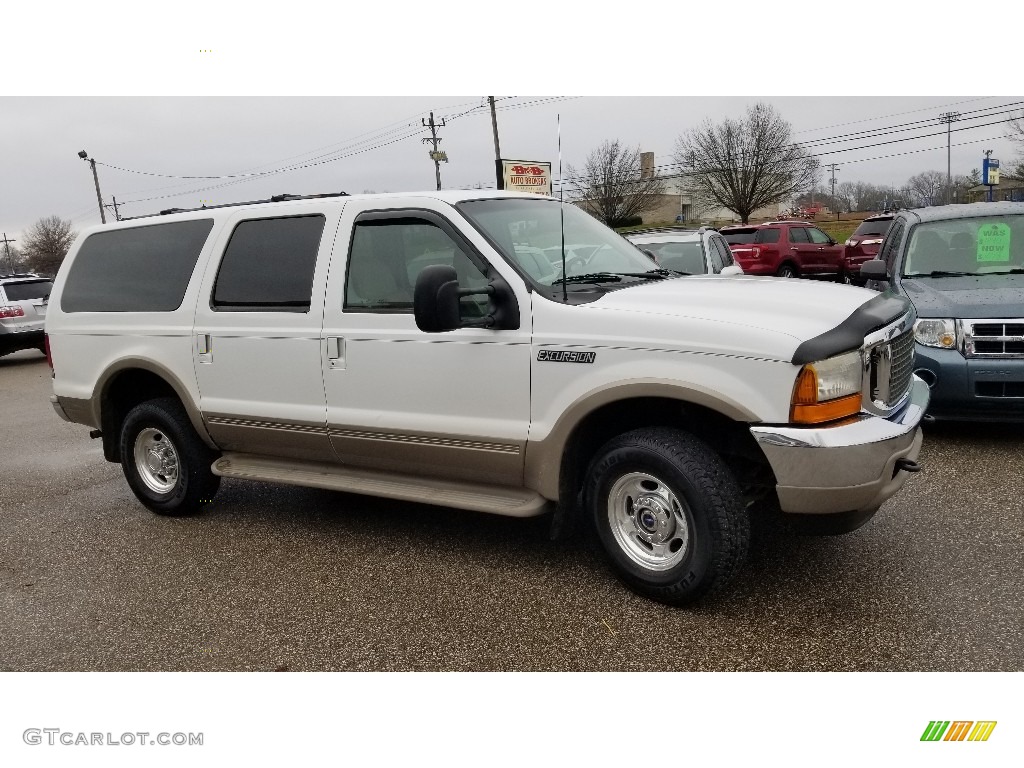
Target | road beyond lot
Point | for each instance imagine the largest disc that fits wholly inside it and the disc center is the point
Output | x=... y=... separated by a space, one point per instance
x=275 y=577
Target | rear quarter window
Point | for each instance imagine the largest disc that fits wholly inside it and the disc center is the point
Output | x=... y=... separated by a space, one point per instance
x=767 y=236
x=140 y=269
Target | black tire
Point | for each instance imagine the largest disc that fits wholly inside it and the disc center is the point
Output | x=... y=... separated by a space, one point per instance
x=787 y=270
x=688 y=514
x=148 y=430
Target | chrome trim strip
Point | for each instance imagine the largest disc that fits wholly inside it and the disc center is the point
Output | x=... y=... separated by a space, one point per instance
x=279 y=425
x=473 y=445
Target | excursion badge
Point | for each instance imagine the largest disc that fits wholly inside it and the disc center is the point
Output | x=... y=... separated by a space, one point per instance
x=565 y=356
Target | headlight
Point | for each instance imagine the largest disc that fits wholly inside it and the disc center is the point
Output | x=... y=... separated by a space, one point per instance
x=936 y=333
x=828 y=390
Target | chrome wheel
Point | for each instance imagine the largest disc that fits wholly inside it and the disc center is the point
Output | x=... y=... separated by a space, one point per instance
x=156 y=460
x=649 y=522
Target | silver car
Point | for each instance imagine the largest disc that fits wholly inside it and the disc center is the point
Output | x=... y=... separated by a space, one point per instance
x=691 y=251
x=23 y=301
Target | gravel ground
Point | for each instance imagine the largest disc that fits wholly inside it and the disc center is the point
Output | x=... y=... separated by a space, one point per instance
x=275 y=577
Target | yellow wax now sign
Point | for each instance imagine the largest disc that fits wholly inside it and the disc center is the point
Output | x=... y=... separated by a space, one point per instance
x=994 y=242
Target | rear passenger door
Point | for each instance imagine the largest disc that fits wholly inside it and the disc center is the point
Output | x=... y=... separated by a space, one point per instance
x=257 y=339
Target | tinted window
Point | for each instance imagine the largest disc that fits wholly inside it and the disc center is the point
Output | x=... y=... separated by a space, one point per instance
x=798 y=235
x=268 y=265
x=141 y=269
x=723 y=251
x=388 y=255
x=767 y=236
x=868 y=228
x=740 y=236
x=889 y=247
x=29 y=289
x=818 y=237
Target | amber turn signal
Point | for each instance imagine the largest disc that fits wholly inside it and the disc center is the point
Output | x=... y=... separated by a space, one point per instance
x=830 y=410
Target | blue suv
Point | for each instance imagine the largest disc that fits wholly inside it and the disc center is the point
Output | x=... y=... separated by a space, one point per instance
x=962 y=266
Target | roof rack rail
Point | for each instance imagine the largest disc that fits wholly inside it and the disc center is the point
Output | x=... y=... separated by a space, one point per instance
x=275 y=199
x=18 y=274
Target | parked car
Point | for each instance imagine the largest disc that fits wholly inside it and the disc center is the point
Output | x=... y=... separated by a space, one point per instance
x=786 y=249
x=23 y=302
x=413 y=346
x=864 y=243
x=962 y=266
x=690 y=251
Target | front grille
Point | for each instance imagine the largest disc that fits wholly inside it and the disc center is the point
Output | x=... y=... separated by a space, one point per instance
x=994 y=338
x=892 y=368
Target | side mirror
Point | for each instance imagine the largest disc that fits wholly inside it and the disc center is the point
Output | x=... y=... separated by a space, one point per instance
x=435 y=302
x=732 y=270
x=650 y=255
x=874 y=270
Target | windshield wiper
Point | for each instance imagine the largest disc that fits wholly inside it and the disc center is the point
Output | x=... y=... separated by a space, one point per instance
x=1014 y=271
x=668 y=272
x=593 y=277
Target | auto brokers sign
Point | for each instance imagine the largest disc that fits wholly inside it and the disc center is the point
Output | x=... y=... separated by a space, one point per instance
x=526 y=176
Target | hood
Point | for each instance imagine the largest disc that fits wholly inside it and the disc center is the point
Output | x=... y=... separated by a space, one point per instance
x=967 y=297
x=752 y=316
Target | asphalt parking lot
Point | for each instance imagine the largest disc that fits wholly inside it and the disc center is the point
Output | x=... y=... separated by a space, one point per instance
x=274 y=577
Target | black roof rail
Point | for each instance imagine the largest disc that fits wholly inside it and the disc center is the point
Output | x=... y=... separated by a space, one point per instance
x=19 y=274
x=274 y=199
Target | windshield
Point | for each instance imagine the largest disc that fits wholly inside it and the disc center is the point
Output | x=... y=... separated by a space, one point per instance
x=30 y=289
x=680 y=257
x=976 y=246
x=739 y=236
x=529 y=234
x=868 y=228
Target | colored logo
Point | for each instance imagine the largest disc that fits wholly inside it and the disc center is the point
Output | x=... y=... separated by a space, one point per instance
x=958 y=730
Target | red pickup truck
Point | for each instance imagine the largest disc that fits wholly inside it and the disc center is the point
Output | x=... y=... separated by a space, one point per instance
x=786 y=249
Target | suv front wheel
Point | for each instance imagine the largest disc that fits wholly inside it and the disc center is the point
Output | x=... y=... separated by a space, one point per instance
x=166 y=463
x=668 y=514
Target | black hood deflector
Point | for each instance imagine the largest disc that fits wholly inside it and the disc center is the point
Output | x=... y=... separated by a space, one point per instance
x=849 y=334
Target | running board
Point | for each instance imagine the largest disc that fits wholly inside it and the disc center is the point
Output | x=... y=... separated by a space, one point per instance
x=496 y=499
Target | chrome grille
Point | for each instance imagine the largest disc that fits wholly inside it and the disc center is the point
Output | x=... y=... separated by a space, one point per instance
x=994 y=338
x=892 y=368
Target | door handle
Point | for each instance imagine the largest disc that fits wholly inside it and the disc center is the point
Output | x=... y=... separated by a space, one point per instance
x=204 y=347
x=336 y=352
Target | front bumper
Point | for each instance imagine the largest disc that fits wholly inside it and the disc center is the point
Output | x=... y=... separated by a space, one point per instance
x=971 y=389
x=844 y=468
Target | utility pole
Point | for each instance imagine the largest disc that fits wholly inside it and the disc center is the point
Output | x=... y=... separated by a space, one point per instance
x=99 y=198
x=833 y=167
x=117 y=214
x=949 y=118
x=497 y=149
x=7 y=247
x=435 y=155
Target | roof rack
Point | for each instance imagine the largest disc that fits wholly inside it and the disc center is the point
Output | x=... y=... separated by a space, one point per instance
x=18 y=274
x=275 y=199
x=653 y=230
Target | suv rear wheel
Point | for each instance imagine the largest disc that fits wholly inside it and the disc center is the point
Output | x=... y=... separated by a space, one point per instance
x=668 y=514
x=166 y=463
x=787 y=270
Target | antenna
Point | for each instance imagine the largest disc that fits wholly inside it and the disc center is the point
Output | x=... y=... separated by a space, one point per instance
x=561 y=209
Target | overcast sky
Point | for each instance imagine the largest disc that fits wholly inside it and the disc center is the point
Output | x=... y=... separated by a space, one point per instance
x=144 y=143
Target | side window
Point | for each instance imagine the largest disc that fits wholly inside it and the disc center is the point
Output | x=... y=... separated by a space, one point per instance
x=818 y=237
x=387 y=256
x=724 y=251
x=268 y=265
x=767 y=236
x=798 y=235
x=138 y=269
x=889 y=247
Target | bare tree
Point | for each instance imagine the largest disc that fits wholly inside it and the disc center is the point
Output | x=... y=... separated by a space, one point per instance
x=928 y=188
x=746 y=164
x=11 y=259
x=46 y=244
x=611 y=187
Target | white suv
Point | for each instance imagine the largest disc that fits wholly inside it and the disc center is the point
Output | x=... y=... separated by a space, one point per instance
x=411 y=346
x=23 y=302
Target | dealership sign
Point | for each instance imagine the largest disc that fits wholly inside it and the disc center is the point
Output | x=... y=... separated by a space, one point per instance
x=526 y=176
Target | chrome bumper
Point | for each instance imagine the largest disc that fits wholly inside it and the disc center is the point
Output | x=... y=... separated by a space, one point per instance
x=845 y=468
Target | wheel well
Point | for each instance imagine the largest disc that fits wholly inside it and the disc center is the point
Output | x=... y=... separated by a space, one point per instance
x=730 y=439
x=788 y=263
x=123 y=392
